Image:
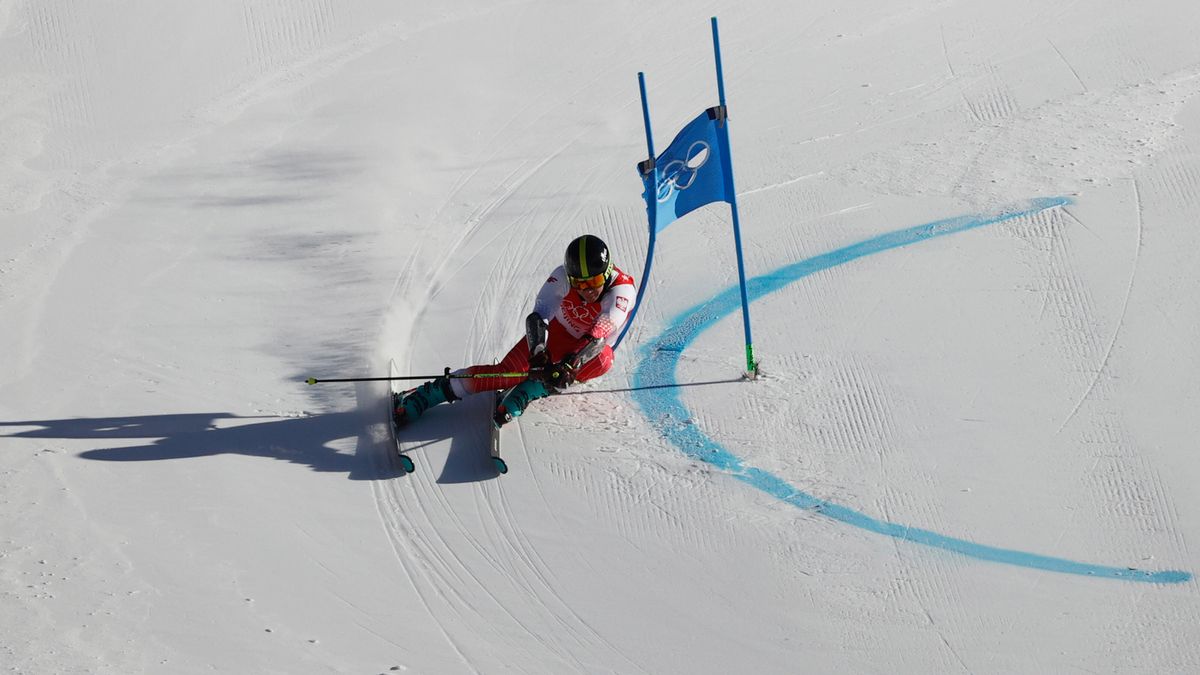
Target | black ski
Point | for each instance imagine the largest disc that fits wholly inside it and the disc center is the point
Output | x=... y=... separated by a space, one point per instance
x=394 y=396
x=501 y=465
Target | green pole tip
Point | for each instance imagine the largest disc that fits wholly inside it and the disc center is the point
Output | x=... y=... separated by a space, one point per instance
x=311 y=380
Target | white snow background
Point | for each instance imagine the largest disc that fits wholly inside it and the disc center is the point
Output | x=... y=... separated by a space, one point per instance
x=973 y=453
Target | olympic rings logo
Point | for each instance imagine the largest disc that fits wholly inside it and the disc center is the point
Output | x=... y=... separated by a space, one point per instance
x=579 y=314
x=679 y=174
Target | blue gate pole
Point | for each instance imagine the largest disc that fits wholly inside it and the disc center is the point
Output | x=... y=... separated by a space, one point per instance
x=727 y=161
x=647 y=168
x=646 y=116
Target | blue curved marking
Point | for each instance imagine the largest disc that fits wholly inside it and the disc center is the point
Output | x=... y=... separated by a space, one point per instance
x=663 y=407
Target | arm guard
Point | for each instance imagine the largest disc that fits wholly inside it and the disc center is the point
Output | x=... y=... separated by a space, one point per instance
x=535 y=333
x=590 y=351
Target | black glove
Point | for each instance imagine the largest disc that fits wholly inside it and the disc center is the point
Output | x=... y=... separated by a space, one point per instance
x=560 y=375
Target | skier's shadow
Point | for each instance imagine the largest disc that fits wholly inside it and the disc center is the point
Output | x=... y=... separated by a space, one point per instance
x=300 y=440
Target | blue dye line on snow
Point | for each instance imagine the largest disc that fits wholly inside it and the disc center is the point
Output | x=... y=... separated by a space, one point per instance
x=663 y=407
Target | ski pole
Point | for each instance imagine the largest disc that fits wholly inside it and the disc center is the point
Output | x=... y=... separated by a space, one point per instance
x=313 y=380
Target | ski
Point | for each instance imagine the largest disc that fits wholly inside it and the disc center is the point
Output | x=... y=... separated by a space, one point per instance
x=394 y=396
x=497 y=460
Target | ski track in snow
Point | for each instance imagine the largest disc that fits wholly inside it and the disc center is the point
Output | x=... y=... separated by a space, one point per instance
x=1137 y=198
x=664 y=409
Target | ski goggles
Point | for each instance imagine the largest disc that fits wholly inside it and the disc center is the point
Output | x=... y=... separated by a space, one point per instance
x=588 y=282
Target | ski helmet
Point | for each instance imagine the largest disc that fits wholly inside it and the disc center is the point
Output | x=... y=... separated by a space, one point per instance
x=587 y=257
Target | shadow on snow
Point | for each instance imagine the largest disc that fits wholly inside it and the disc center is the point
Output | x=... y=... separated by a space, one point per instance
x=306 y=441
x=299 y=440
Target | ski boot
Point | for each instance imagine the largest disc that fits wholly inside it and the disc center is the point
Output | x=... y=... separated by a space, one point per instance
x=413 y=403
x=514 y=402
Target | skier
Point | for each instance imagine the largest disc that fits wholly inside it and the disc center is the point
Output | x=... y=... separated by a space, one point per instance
x=579 y=309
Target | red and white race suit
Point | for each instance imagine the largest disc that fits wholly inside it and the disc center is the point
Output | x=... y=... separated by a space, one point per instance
x=573 y=323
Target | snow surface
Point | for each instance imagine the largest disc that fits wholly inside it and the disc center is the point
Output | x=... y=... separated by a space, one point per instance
x=970 y=229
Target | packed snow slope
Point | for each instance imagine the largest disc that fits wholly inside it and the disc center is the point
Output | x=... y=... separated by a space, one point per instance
x=970 y=231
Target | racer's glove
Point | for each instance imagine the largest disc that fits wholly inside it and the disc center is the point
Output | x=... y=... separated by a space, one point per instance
x=560 y=375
